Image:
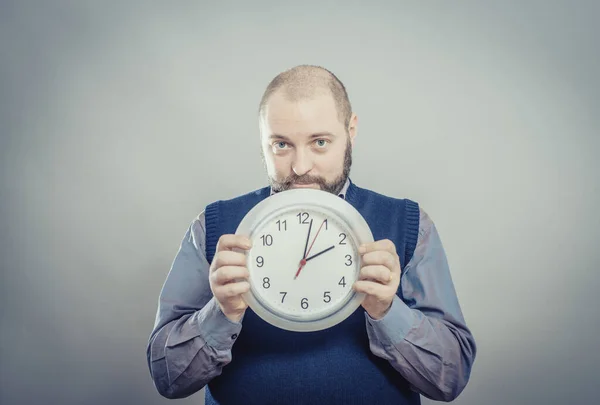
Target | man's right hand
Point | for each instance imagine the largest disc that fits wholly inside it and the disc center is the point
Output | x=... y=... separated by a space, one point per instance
x=228 y=275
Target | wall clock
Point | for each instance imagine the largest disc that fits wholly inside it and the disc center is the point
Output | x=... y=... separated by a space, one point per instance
x=304 y=258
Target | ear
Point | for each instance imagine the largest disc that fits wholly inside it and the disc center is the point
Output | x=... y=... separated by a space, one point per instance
x=352 y=128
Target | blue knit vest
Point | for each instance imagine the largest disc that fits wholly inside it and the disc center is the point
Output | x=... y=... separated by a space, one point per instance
x=332 y=366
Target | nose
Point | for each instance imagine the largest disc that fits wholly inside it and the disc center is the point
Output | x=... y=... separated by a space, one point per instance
x=302 y=163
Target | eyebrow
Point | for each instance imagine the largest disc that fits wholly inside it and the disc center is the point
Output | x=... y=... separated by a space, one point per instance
x=317 y=135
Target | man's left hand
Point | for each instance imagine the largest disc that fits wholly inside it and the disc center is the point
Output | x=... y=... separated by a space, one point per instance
x=379 y=276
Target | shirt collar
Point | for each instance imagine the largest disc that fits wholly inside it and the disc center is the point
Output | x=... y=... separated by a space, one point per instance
x=341 y=194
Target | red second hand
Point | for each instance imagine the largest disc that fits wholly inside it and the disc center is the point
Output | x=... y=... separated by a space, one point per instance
x=303 y=261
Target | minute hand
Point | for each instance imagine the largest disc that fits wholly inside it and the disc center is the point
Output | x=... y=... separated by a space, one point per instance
x=320 y=253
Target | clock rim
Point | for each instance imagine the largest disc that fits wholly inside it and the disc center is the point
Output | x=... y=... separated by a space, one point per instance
x=282 y=201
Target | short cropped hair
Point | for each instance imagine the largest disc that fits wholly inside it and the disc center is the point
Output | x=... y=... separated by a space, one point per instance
x=307 y=81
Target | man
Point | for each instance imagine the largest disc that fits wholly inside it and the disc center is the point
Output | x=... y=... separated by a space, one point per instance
x=407 y=339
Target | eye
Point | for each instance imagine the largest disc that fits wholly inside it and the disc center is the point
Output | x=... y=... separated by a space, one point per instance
x=321 y=142
x=280 y=145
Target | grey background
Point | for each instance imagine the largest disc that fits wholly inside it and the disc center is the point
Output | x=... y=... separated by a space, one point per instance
x=119 y=121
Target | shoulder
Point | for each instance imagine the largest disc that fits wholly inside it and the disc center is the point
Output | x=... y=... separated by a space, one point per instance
x=425 y=222
x=198 y=224
x=251 y=195
x=380 y=197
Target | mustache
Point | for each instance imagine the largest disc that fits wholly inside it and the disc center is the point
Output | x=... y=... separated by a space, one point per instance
x=295 y=179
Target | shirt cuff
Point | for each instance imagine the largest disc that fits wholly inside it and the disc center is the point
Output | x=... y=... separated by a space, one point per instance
x=395 y=324
x=215 y=328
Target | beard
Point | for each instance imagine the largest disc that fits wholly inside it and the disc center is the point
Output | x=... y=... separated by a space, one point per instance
x=334 y=186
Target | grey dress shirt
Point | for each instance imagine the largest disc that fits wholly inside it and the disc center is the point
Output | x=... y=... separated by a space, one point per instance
x=428 y=343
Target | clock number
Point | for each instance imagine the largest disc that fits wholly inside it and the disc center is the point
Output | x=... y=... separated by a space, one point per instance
x=303 y=217
x=343 y=236
x=304 y=303
x=260 y=261
x=267 y=240
x=326 y=296
x=284 y=223
x=266 y=282
x=325 y=224
x=348 y=260
x=283 y=297
x=342 y=282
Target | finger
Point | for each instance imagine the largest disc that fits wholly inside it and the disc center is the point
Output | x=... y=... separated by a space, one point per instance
x=227 y=274
x=377 y=290
x=230 y=242
x=378 y=273
x=382 y=258
x=383 y=244
x=231 y=290
x=228 y=258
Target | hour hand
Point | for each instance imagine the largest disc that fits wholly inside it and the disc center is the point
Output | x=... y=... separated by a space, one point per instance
x=320 y=253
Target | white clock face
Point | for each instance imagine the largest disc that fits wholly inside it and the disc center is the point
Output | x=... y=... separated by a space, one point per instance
x=303 y=263
x=324 y=230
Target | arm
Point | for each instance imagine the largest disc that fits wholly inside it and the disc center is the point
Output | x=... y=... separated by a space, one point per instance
x=192 y=339
x=424 y=336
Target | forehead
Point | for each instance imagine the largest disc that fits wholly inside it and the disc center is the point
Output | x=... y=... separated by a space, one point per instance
x=305 y=116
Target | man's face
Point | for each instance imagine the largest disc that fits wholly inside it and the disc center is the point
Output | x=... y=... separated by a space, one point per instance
x=304 y=144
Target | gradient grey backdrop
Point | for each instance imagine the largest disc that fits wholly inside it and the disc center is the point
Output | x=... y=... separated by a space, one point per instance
x=119 y=122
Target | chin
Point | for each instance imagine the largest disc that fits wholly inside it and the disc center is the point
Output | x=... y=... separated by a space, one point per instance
x=315 y=186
